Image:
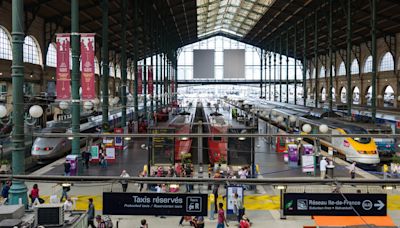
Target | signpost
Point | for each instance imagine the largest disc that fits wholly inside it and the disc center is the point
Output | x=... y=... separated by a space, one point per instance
x=335 y=204
x=119 y=203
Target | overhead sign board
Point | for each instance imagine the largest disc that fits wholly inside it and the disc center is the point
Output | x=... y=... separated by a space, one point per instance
x=120 y=203
x=335 y=204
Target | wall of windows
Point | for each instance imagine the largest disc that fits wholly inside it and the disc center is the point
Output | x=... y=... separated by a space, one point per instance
x=252 y=60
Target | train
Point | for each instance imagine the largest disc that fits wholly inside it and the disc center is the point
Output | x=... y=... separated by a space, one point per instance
x=46 y=149
x=362 y=150
x=217 y=146
x=183 y=124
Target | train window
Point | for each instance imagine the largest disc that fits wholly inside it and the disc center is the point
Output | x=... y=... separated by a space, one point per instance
x=357 y=130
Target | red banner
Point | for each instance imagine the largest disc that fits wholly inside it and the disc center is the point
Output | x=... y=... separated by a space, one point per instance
x=139 y=82
x=63 y=86
x=150 y=86
x=87 y=71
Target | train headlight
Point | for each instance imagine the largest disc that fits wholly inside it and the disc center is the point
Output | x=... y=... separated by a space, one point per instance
x=37 y=148
x=361 y=152
x=48 y=148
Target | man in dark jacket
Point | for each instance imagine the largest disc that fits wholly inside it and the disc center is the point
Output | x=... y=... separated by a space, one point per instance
x=90 y=213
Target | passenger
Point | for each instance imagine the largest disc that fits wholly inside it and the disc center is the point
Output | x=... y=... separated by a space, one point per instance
x=322 y=167
x=198 y=222
x=141 y=174
x=244 y=222
x=221 y=217
x=186 y=219
x=68 y=204
x=143 y=224
x=238 y=205
x=34 y=193
x=86 y=158
x=66 y=187
x=352 y=170
x=90 y=213
x=189 y=173
x=6 y=189
x=67 y=168
x=100 y=222
x=124 y=183
x=160 y=171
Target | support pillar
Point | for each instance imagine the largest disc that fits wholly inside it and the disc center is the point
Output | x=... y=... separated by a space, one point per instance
x=156 y=82
x=348 y=59
x=295 y=63
x=105 y=62
x=287 y=67
x=305 y=62
x=123 y=63
x=274 y=70
x=18 y=188
x=261 y=72
x=316 y=100
x=135 y=64
x=76 y=79
x=330 y=56
x=270 y=74
x=374 y=60
x=280 y=68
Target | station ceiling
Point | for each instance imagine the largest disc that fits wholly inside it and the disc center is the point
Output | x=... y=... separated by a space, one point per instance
x=256 y=22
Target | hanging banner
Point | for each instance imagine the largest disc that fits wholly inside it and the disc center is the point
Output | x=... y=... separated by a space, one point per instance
x=140 y=84
x=150 y=86
x=87 y=71
x=63 y=86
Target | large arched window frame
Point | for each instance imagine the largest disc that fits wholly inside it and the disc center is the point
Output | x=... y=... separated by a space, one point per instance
x=31 y=51
x=51 y=56
x=111 y=69
x=387 y=63
x=342 y=69
x=5 y=44
x=368 y=65
x=355 y=69
x=322 y=72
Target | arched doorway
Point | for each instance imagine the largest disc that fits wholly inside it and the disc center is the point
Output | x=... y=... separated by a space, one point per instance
x=368 y=96
x=388 y=97
x=343 y=95
x=356 y=95
x=323 y=94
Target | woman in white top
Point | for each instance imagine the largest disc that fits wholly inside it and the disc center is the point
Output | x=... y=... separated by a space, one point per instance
x=68 y=204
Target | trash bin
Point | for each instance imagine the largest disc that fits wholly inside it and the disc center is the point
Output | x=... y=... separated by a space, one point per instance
x=329 y=171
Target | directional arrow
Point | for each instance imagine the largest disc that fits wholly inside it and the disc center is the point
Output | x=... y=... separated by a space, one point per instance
x=379 y=205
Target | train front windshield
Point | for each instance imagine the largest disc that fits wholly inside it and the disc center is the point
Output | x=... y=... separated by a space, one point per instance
x=357 y=130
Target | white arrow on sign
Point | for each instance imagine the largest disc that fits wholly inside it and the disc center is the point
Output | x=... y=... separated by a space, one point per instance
x=379 y=205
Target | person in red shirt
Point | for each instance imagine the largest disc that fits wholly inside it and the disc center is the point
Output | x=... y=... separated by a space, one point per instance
x=244 y=222
x=34 y=193
x=221 y=217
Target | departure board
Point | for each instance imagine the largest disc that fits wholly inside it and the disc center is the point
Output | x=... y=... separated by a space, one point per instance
x=163 y=148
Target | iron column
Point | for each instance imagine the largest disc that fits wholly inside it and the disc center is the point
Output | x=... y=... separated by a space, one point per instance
x=261 y=72
x=316 y=58
x=106 y=70
x=18 y=188
x=305 y=62
x=270 y=74
x=123 y=62
x=76 y=79
x=274 y=69
x=295 y=63
x=280 y=68
x=287 y=67
x=374 y=62
x=348 y=59
x=135 y=65
x=330 y=56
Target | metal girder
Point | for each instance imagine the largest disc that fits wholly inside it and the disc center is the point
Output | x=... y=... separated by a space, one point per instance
x=29 y=21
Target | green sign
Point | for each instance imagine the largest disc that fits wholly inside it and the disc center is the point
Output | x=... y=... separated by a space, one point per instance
x=94 y=151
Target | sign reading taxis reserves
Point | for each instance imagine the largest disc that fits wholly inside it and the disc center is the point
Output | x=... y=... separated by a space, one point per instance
x=119 y=203
x=335 y=204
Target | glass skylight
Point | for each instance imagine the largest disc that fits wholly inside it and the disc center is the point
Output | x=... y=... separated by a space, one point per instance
x=234 y=17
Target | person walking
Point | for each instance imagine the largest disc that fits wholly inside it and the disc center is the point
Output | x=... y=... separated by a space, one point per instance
x=34 y=193
x=221 y=217
x=244 y=222
x=124 y=183
x=66 y=187
x=238 y=204
x=68 y=204
x=143 y=224
x=352 y=170
x=67 y=168
x=322 y=167
x=86 y=158
x=6 y=189
x=90 y=213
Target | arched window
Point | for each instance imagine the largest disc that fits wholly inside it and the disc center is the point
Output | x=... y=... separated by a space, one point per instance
x=388 y=96
x=322 y=72
x=118 y=69
x=313 y=73
x=355 y=69
x=5 y=44
x=368 y=97
x=333 y=94
x=356 y=95
x=323 y=94
x=111 y=69
x=51 y=57
x=31 y=51
x=368 y=65
x=343 y=95
x=96 y=66
x=387 y=63
x=342 y=69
